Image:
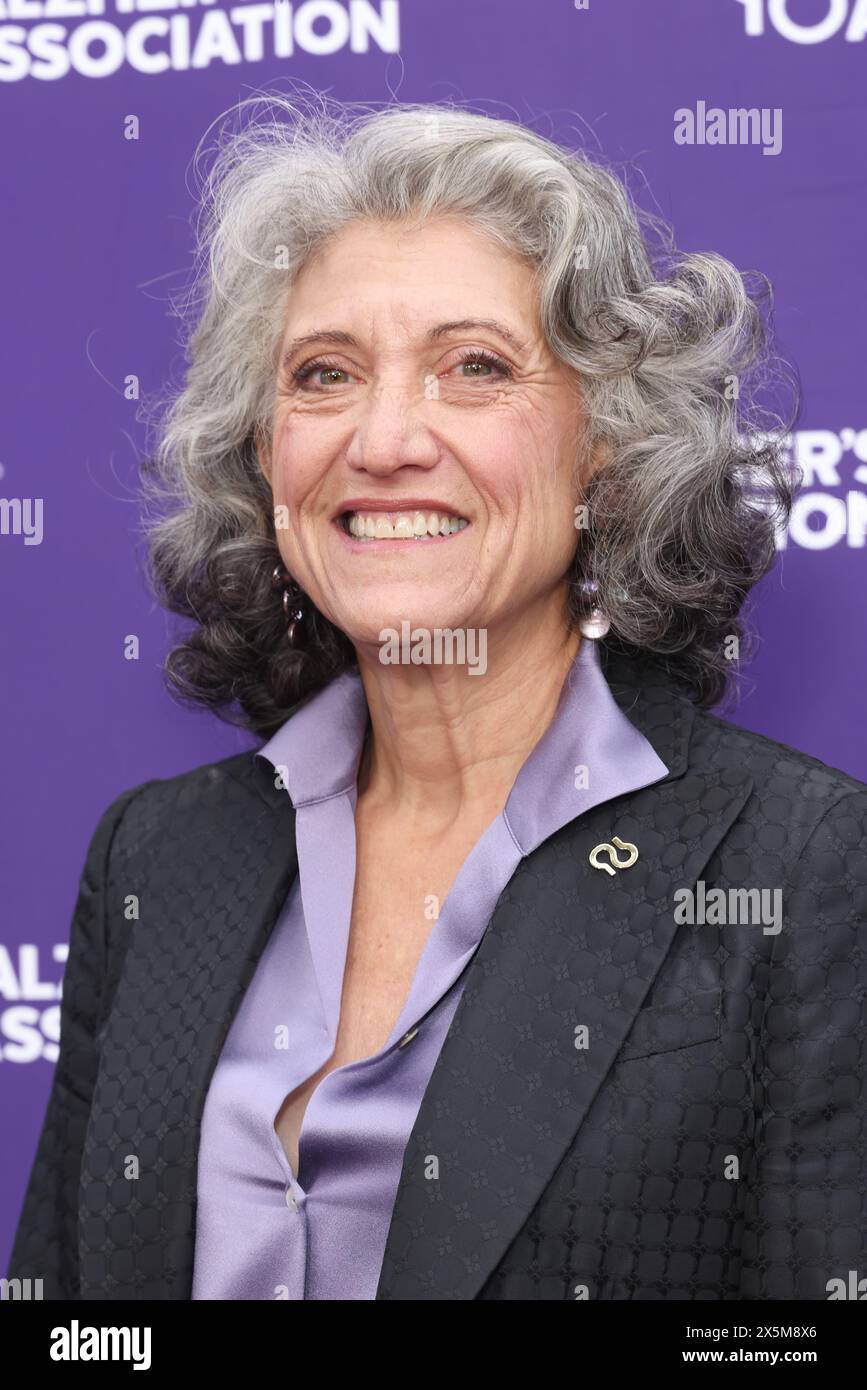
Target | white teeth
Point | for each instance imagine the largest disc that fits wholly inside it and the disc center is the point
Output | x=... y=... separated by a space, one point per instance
x=382 y=526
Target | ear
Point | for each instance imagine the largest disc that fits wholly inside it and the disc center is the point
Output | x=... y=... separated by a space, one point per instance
x=263 y=451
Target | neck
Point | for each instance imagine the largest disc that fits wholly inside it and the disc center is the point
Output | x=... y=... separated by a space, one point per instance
x=446 y=743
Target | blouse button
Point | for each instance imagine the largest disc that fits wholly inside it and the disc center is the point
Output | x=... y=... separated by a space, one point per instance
x=407 y=1037
x=290 y=1200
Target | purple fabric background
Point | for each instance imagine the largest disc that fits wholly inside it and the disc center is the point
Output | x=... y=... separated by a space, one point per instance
x=96 y=234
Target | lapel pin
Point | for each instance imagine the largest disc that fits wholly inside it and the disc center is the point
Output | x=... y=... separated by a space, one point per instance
x=612 y=855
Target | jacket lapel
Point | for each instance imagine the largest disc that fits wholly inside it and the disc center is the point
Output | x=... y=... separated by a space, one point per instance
x=567 y=945
x=208 y=903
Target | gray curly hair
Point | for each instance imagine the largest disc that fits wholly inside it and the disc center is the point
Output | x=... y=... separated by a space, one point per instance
x=681 y=518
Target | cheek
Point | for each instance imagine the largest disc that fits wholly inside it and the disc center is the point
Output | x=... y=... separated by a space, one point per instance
x=301 y=458
x=547 y=518
x=296 y=511
x=533 y=493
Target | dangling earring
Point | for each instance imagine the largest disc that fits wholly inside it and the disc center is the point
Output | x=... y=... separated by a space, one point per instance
x=292 y=610
x=594 y=623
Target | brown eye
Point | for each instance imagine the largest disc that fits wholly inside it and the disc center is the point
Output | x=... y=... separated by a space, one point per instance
x=324 y=369
x=491 y=365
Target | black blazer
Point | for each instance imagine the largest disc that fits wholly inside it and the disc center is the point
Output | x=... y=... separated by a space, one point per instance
x=709 y=1141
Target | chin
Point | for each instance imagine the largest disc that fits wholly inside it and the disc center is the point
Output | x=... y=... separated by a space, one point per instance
x=389 y=604
x=413 y=608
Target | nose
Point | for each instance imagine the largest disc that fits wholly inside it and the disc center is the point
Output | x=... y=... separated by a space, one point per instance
x=393 y=431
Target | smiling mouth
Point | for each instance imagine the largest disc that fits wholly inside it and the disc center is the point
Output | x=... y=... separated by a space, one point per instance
x=402 y=526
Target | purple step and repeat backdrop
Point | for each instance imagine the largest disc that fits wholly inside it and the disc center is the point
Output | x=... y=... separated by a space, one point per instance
x=97 y=240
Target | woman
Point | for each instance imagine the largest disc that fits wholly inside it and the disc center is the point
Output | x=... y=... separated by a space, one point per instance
x=503 y=969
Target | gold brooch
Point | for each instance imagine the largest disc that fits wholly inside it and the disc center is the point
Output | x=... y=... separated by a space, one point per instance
x=610 y=851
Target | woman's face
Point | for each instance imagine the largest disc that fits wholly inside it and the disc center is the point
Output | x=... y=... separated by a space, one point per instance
x=423 y=399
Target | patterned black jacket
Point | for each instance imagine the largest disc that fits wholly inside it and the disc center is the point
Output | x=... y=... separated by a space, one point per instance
x=708 y=1142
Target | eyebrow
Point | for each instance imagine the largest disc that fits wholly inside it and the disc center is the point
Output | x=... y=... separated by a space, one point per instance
x=441 y=330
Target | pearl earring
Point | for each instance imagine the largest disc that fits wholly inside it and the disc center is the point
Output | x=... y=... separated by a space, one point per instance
x=594 y=623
